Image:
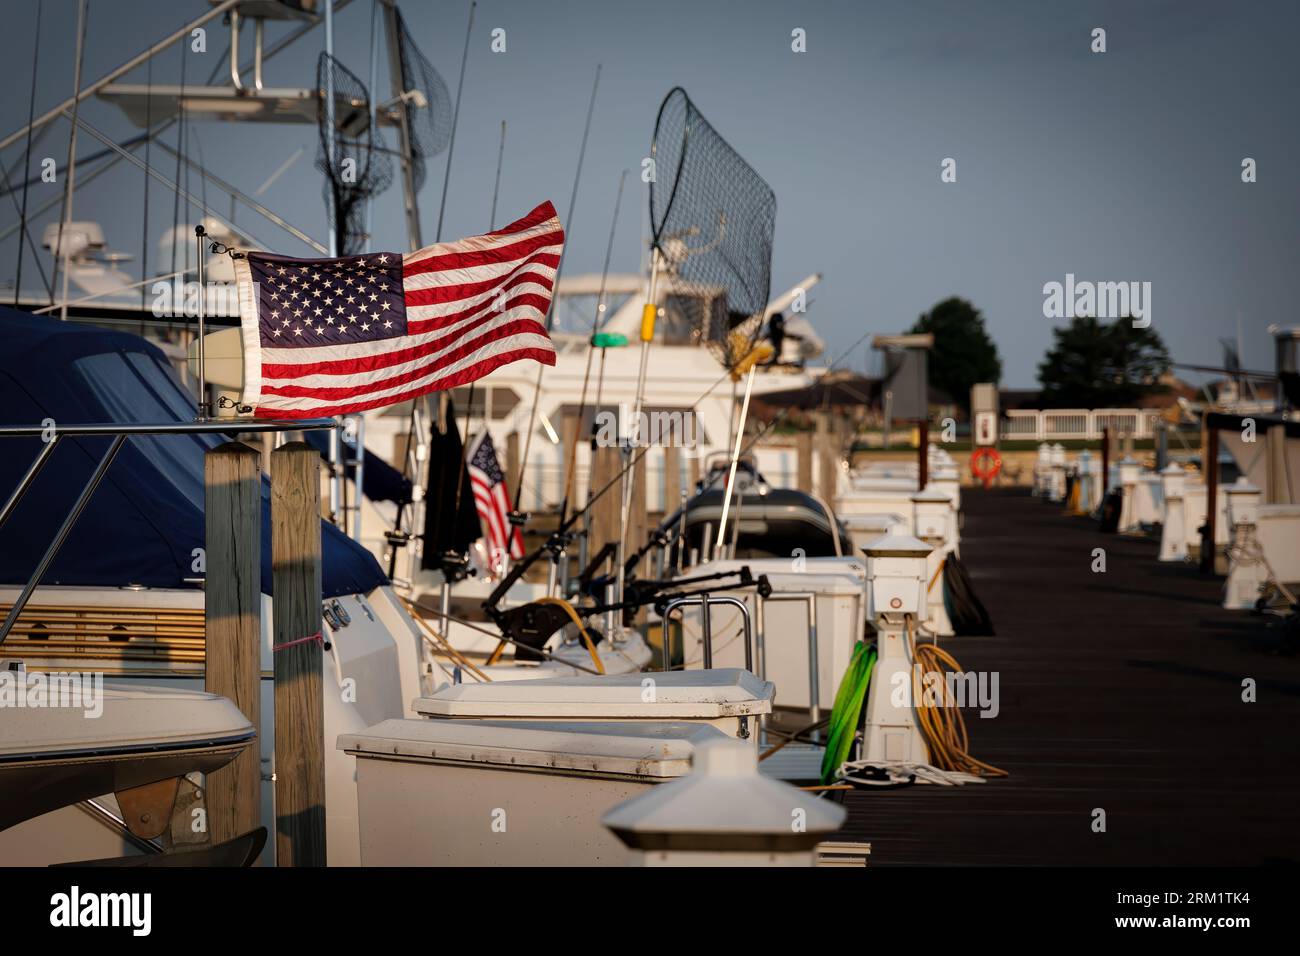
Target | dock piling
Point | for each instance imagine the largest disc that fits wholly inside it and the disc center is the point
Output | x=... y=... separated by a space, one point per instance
x=299 y=656
x=233 y=624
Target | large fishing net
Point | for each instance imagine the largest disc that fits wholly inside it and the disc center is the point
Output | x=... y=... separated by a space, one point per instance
x=428 y=104
x=360 y=168
x=712 y=217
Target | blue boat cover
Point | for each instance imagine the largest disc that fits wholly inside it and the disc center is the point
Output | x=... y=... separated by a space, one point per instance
x=380 y=481
x=145 y=521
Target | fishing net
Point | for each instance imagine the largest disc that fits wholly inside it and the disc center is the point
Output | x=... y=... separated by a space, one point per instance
x=360 y=168
x=428 y=104
x=712 y=217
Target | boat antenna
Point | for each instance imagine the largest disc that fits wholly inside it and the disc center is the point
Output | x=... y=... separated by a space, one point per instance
x=496 y=186
x=70 y=173
x=180 y=152
x=144 y=216
x=591 y=347
x=516 y=517
x=27 y=160
x=455 y=117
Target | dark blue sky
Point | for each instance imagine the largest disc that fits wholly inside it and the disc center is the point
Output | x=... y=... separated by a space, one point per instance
x=1115 y=166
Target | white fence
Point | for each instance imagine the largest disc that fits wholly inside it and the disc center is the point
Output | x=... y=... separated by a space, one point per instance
x=1058 y=424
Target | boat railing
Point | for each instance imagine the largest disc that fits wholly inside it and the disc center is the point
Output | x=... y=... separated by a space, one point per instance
x=809 y=600
x=52 y=434
x=706 y=602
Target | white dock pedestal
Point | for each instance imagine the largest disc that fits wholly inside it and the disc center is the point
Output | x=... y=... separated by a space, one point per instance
x=724 y=813
x=1173 y=530
x=1246 y=568
x=896 y=568
x=932 y=516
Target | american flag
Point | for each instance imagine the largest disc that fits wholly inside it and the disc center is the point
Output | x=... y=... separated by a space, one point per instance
x=492 y=499
x=329 y=337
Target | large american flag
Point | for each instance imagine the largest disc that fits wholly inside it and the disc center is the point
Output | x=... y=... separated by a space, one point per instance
x=492 y=499
x=329 y=337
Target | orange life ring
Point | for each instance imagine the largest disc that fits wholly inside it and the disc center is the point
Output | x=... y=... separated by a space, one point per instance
x=985 y=463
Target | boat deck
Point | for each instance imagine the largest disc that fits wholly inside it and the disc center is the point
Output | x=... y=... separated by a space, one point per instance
x=1120 y=691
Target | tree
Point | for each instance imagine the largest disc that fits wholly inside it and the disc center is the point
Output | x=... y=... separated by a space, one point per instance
x=1093 y=365
x=963 y=353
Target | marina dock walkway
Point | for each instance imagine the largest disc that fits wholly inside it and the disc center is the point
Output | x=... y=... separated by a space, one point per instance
x=1120 y=691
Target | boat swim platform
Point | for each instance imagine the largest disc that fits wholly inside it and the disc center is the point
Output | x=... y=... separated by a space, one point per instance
x=1120 y=691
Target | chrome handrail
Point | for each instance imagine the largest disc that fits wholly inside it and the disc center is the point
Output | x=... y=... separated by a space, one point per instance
x=210 y=426
x=52 y=434
x=705 y=602
x=809 y=599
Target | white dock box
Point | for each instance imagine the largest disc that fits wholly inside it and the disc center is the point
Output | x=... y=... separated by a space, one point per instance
x=730 y=699
x=506 y=793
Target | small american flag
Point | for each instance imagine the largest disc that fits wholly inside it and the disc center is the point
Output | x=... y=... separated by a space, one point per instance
x=329 y=337
x=492 y=499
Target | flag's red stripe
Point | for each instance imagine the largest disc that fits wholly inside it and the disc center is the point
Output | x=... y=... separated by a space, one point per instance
x=502 y=496
x=423 y=326
x=443 y=294
x=483 y=257
x=487 y=514
x=371 y=363
x=469 y=374
x=415 y=326
x=542 y=213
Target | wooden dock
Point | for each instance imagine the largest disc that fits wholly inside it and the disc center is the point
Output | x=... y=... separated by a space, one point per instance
x=1120 y=691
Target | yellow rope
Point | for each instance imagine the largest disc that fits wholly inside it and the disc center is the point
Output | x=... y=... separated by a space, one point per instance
x=937 y=571
x=440 y=642
x=943 y=726
x=582 y=629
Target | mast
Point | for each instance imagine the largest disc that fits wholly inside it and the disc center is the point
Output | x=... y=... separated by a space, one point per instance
x=392 y=27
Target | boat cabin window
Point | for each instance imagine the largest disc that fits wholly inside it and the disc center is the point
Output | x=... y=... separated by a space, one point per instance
x=576 y=312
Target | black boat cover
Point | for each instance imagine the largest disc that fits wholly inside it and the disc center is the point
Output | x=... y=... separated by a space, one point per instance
x=965 y=610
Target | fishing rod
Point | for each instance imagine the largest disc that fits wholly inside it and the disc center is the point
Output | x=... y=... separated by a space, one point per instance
x=496 y=186
x=554 y=544
x=455 y=119
x=516 y=517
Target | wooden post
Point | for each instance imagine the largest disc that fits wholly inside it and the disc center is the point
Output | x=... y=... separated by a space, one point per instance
x=299 y=707
x=826 y=459
x=672 y=478
x=1276 y=490
x=1105 y=462
x=923 y=455
x=511 y=467
x=693 y=470
x=232 y=601
x=606 y=460
x=638 y=525
x=804 y=449
x=569 y=476
x=1210 y=461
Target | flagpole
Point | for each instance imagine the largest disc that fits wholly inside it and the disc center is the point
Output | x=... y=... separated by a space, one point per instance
x=203 y=378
